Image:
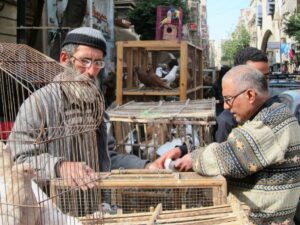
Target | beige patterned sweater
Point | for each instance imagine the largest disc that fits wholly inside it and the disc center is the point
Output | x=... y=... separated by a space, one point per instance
x=261 y=161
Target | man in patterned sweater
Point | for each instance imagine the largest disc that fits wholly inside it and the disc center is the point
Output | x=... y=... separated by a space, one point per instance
x=261 y=157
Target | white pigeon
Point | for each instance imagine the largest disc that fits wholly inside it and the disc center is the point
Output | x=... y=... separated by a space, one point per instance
x=130 y=141
x=189 y=135
x=159 y=71
x=171 y=76
x=50 y=214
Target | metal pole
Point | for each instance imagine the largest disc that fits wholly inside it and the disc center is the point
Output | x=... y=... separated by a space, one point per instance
x=91 y=12
x=21 y=21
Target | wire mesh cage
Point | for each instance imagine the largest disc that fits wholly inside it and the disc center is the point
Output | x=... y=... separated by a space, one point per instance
x=148 y=129
x=49 y=115
x=136 y=191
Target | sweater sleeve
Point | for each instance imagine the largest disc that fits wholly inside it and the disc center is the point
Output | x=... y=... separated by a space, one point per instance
x=248 y=149
x=28 y=139
x=126 y=161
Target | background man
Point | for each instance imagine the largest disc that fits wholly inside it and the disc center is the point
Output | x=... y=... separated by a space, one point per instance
x=260 y=158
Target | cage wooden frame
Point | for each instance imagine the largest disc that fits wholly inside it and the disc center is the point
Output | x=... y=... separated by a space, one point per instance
x=135 y=180
x=233 y=212
x=135 y=53
x=198 y=114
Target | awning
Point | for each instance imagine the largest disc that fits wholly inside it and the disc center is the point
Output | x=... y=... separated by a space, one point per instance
x=123 y=34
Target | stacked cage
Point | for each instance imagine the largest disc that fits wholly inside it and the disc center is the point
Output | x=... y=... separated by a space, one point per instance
x=158 y=70
x=49 y=115
x=148 y=129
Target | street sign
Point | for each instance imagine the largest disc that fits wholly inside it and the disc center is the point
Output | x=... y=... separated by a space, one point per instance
x=273 y=45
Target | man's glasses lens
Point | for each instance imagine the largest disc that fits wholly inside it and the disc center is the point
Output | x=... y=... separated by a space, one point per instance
x=88 y=62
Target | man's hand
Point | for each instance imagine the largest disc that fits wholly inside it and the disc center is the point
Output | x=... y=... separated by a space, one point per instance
x=185 y=163
x=173 y=154
x=78 y=174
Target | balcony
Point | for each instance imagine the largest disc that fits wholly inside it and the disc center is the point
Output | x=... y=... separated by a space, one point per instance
x=124 y=4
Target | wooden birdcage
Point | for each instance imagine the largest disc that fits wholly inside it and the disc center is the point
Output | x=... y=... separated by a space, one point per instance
x=147 y=129
x=131 y=191
x=39 y=98
x=138 y=61
x=231 y=213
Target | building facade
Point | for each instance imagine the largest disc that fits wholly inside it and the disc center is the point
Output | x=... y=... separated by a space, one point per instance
x=265 y=25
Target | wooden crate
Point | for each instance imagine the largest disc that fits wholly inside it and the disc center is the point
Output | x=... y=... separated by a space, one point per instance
x=131 y=191
x=145 y=54
x=143 y=128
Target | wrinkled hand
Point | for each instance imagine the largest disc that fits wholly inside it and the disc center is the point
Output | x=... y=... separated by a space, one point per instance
x=173 y=154
x=78 y=174
x=185 y=163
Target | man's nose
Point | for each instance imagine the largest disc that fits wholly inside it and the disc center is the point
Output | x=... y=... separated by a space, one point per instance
x=93 y=71
x=226 y=106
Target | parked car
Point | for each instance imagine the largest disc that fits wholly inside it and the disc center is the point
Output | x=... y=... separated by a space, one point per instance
x=292 y=99
x=279 y=82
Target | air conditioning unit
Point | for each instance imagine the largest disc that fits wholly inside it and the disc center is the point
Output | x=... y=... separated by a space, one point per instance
x=259 y=15
x=270 y=7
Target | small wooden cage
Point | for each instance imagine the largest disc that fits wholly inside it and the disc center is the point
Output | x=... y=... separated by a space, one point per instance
x=131 y=191
x=232 y=213
x=150 y=56
x=147 y=129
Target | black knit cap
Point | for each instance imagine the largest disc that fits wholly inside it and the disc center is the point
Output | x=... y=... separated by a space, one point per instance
x=86 y=36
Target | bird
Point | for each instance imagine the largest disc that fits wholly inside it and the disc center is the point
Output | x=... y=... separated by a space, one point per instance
x=131 y=140
x=49 y=212
x=168 y=19
x=176 y=14
x=149 y=78
x=171 y=76
x=15 y=190
x=161 y=71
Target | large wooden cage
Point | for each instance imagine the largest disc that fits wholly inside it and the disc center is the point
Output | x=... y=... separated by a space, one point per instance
x=150 y=55
x=147 y=129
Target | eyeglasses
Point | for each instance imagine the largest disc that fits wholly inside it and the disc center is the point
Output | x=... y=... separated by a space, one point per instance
x=87 y=63
x=229 y=99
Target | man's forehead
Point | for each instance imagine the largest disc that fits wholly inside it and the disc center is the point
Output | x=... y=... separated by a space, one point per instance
x=88 y=51
x=228 y=85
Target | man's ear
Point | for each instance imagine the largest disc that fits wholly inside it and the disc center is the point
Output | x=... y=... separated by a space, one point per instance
x=251 y=94
x=63 y=57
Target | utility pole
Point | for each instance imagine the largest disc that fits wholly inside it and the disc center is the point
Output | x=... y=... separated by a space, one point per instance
x=21 y=21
